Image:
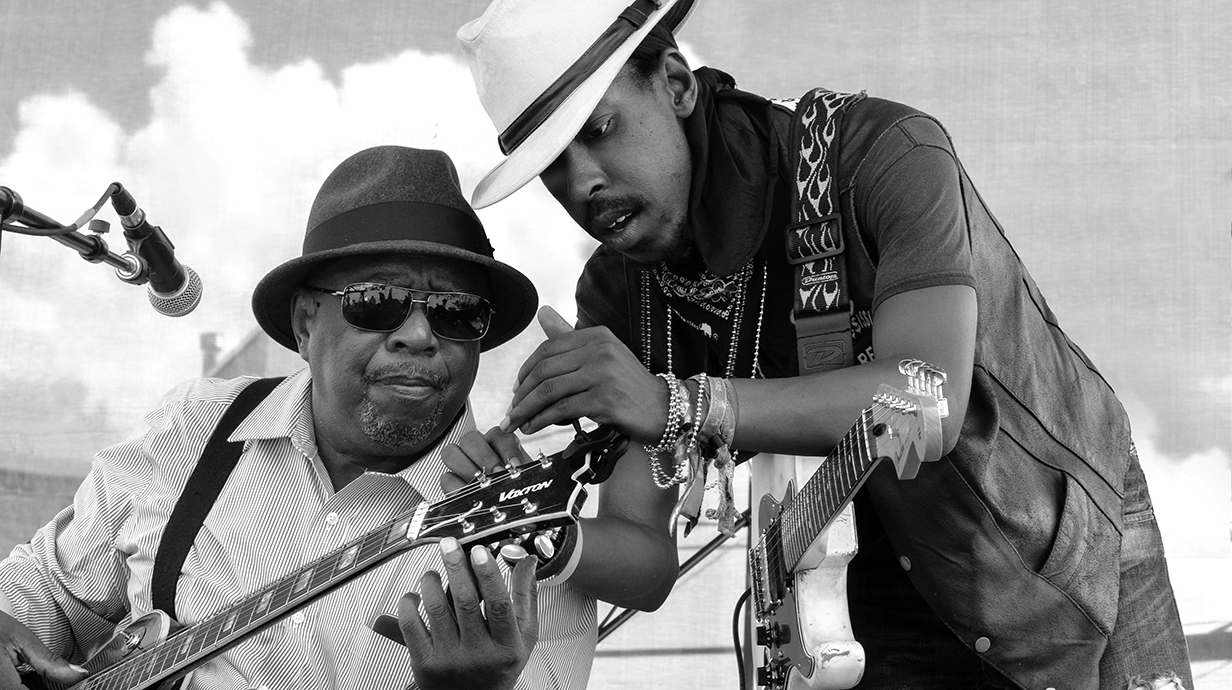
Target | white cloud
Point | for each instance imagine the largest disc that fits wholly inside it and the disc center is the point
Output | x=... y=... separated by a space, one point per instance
x=228 y=165
x=1192 y=495
x=1217 y=384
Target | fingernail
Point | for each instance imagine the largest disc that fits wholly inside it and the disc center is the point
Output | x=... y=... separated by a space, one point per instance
x=79 y=669
x=449 y=545
x=504 y=425
x=480 y=555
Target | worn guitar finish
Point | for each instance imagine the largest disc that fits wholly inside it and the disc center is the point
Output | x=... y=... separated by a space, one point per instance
x=808 y=642
x=514 y=504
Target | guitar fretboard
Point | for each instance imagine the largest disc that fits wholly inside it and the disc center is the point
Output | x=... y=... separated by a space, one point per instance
x=192 y=645
x=831 y=487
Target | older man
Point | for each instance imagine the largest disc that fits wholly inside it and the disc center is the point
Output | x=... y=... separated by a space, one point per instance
x=392 y=301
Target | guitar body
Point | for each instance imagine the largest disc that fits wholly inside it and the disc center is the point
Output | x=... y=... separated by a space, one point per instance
x=798 y=567
x=515 y=505
x=807 y=632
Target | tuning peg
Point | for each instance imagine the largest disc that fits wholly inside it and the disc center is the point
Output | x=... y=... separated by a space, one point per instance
x=545 y=460
x=512 y=552
x=544 y=545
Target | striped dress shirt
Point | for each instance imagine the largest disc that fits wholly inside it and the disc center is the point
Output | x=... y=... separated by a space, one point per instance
x=90 y=568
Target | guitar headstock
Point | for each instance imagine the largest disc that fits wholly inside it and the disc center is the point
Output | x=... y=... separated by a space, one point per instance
x=907 y=424
x=545 y=493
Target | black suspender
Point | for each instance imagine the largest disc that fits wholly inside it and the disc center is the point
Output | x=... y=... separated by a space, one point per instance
x=204 y=485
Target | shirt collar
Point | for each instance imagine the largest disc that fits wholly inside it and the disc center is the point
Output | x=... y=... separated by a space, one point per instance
x=287 y=413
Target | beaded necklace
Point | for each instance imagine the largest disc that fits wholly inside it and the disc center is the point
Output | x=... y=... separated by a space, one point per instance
x=704 y=291
x=709 y=292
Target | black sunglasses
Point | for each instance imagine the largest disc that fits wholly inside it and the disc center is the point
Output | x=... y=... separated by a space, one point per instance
x=384 y=308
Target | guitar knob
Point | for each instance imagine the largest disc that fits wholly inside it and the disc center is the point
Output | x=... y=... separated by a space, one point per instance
x=512 y=553
x=773 y=635
x=544 y=545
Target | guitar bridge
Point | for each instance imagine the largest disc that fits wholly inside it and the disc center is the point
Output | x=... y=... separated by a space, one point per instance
x=760 y=574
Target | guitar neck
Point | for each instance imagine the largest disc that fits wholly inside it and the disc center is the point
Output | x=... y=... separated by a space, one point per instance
x=828 y=491
x=513 y=504
x=195 y=645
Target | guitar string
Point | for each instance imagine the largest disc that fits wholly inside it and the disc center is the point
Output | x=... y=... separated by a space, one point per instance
x=164 y=653
x=775 y=548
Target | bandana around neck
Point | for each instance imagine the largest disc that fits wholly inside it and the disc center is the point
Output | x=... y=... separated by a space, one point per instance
x=734 y=171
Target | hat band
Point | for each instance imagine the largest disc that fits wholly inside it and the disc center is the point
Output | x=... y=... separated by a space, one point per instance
x=536 y=113
x=399 y=220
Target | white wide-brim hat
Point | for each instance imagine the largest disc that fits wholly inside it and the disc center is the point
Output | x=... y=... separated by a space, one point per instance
x=541 y=67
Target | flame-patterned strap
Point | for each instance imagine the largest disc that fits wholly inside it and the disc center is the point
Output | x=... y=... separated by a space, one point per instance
x=821 y=310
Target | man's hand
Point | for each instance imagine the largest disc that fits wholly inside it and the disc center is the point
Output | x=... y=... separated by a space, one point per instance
x=464 y=644
x=586 y=373
x=20 y=646
x=475 y=453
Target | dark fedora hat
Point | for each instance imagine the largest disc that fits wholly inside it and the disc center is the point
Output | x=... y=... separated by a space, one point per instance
x=395 y=200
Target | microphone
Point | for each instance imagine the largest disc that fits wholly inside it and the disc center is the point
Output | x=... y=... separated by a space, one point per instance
x=174 y=289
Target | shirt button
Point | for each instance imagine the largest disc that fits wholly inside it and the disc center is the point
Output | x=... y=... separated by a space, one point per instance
x=331 y=519
x=982 y=645
x=904 y=562
x=298 y=618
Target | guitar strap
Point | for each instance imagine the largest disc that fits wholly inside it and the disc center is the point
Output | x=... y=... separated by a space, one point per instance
x=204 y=485
x=821 y=309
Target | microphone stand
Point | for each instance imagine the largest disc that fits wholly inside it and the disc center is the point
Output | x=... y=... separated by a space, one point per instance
x=129 y=267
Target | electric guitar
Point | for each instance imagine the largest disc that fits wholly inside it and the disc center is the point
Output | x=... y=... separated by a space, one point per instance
x=798 y=566
x=511 y=506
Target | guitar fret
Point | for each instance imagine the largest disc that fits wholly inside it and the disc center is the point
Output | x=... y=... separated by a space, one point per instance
x=347 y=558
x=282 y=590
x=209 y=630
x=371 y=546
x=157 y=661
x=246 y=611
x=824 y=495
x=125 y=677
x=558 y=503
x=153 y=662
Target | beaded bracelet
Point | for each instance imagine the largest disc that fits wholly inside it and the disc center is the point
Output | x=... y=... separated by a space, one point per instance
x=676 y=402
x=676 y=427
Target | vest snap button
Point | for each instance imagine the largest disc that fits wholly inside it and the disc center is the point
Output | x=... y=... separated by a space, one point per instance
x=983 y=645
x=904 y=562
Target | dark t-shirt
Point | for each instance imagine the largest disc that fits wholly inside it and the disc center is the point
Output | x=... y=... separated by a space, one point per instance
x=1015 y=533
x=914 y=235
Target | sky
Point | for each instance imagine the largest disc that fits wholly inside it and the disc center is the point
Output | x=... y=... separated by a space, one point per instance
x=1097 y=134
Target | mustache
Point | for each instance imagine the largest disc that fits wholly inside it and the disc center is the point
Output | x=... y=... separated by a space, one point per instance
x=602 y=205
x=409 y=372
